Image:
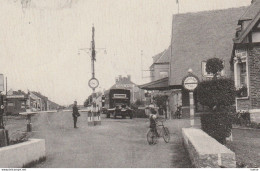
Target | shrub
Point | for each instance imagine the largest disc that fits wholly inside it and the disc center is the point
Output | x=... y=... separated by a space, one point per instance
x=216 y=93
x=242 y=92
x=218 y=125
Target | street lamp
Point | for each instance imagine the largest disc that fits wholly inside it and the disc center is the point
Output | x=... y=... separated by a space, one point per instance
x=94 y=117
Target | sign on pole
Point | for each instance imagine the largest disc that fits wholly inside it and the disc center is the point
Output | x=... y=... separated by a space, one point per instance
x=190 y=83
x=2 y=87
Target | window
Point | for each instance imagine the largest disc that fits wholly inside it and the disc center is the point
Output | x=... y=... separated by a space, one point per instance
x=256 y=36
x=204 y=72
x=163 y=74
x=240 y=66
x=241 y=74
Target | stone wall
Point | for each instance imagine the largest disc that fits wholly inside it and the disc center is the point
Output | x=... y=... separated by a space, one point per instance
x=19 y=155
x=204 y=151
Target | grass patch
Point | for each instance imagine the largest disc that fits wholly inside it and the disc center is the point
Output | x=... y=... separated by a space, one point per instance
x=246 y=145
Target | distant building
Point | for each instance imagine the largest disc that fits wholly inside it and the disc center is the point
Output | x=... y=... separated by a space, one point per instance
x=160 y=67
x=16 y=101
x=37 y=101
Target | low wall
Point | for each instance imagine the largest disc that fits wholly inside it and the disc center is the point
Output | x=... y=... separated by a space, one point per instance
x=205 y=151
x=19 y=155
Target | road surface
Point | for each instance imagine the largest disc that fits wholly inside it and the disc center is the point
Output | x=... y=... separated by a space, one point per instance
x=116 y=143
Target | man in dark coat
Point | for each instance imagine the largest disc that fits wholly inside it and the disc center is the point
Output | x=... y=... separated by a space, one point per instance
x=75 y=114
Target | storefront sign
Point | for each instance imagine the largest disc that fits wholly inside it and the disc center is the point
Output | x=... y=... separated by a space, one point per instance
x=15 y=96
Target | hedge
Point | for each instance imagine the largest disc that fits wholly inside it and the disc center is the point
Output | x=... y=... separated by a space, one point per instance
x=217 y=92
x=218 y=125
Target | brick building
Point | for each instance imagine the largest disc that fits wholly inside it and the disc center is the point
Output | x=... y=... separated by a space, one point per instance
x=245 y=61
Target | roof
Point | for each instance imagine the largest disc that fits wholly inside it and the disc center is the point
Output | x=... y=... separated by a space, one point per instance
x=199 y=36
x=16 y=93
x=39 y=95
x=162 y=58
x=122 y=81
x=165 y=57
x=251 y=11
x=162 y=84
x=248 y=28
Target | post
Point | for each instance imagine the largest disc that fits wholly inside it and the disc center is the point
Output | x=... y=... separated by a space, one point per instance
x=191 y=108
x=29 y=123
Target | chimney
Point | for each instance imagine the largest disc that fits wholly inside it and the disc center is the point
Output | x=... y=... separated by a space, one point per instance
x=120 y=77
x=129 y=77
x=116 y=79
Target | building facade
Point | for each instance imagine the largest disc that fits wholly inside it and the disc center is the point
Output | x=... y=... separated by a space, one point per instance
x=246 y=61
x=16 y=102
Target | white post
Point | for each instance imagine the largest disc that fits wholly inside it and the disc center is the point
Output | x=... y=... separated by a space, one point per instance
x=191 y=108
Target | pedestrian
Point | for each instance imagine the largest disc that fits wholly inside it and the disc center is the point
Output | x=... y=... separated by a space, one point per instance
x=75 y=114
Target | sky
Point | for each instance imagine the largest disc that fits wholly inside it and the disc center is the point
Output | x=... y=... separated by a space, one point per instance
x=40 y=41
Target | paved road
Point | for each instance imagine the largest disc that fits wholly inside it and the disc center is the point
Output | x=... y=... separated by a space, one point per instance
x=116 y=143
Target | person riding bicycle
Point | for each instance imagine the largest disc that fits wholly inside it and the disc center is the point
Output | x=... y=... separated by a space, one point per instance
x=153 y=120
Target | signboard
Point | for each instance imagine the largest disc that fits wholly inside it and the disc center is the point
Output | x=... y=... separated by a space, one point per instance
x=120 y=96
x=2 y=83
x=190 y=82
x=15 y=96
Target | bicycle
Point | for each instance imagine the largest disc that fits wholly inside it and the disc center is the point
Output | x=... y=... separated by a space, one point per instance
x=153 y=136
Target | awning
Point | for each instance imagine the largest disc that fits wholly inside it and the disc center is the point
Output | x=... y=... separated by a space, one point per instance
x=162 y=84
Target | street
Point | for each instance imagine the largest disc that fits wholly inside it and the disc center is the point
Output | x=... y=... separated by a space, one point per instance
x=116 y=143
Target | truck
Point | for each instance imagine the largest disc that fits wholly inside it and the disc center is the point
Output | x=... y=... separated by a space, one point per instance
x=117 y=103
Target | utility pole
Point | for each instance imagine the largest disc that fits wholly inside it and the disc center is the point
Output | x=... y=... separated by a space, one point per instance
x=94 y=117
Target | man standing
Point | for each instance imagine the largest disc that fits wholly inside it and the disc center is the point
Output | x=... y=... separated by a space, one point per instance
x=75 y=114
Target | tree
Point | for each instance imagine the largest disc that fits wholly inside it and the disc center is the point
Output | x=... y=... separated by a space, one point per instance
x=214 y=66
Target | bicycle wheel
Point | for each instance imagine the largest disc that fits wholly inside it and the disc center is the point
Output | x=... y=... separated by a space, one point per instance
x=151 y=137
x=166 y=134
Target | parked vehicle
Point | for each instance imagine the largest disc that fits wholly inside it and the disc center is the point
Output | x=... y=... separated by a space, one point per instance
x=117 y=103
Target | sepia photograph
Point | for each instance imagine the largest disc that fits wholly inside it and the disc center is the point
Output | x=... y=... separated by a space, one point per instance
x=129 y=84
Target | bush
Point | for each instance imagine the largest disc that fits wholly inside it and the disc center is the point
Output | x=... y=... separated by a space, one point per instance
x=218 y=125
x=242 y=92
x=216 y=93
